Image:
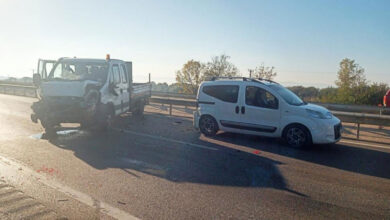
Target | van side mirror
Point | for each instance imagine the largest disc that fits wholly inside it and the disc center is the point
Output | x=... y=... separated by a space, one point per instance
x=37 y=79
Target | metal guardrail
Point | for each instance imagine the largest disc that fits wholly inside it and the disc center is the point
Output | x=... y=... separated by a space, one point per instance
x=330 y=106
x=348 y=117
x=173 y=95
x=20 y=90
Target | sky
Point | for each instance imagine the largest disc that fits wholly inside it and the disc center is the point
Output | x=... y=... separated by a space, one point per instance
x=303 y=39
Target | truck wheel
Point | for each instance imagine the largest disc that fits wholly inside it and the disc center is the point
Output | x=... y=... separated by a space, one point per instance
x=139 y=111
x=297 y=136
x=50 y=130
x=105 y=117
x=208 y=125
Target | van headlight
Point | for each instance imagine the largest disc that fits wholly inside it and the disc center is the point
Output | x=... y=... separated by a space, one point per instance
x=317 y=114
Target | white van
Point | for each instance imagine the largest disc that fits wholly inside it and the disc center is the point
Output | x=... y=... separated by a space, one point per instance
x=262 y=107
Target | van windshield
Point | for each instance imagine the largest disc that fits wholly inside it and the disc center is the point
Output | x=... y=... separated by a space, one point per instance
x=287 y=95
x=79 y=70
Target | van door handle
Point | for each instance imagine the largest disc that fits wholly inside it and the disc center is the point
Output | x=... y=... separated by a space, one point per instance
x=242 y=109
x=237 y=109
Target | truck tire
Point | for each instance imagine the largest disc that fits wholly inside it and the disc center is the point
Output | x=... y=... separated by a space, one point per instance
x=104 y=118
x=139 y=110
x=50 y=129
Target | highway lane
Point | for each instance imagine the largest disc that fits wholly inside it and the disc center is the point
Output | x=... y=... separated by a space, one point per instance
x=159 y=167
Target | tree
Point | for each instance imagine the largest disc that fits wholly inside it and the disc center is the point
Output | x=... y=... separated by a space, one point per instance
x=220 y=66
x=306 y=93
x=263 y=72
x=190 y=76
x=350 y=74
x=352 y=83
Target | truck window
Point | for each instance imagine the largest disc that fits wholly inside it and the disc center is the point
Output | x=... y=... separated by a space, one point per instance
x=115 y=72
x=259 y=97
x=226 y=93
x=123 y=74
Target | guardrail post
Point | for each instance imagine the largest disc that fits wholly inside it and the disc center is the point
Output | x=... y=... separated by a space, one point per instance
x=380 y=114
x=170 y=109
x=358 y=131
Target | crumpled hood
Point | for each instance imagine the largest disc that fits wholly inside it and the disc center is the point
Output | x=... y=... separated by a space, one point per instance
x=316 y=108
x=65 y=88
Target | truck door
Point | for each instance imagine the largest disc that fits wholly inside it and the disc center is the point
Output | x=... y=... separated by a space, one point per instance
x=124 y=88
x=259 y=110
x=44 y=67
x=115 y=82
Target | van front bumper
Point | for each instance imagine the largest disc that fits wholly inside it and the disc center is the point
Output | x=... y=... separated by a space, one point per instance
x=327 y=132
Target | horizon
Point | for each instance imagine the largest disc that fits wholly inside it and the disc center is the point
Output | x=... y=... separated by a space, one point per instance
x=304 y=41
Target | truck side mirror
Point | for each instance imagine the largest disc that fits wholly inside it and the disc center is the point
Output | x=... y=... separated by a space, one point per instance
x=37 y=79
x=111 y=88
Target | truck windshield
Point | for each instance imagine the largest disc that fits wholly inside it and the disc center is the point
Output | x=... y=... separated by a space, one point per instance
x=76 y=70
x=287 y=95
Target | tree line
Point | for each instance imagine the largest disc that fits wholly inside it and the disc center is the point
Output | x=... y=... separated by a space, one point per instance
x=352 y=87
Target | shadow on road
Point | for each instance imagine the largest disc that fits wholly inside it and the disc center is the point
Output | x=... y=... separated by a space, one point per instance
x=174 y=161
x=341 y=156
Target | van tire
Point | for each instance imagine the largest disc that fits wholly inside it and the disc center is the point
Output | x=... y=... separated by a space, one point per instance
x=208 y=125
x=297 y=136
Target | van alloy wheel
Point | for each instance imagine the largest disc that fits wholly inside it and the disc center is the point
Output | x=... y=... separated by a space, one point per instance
x=296 y=137
x=208 y=125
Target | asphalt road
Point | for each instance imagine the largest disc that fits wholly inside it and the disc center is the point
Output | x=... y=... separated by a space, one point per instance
x=159 y=167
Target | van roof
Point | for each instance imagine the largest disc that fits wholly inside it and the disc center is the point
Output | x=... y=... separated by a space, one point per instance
x=238 y=80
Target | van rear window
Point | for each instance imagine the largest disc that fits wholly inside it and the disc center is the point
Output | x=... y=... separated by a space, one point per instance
x=226 y=93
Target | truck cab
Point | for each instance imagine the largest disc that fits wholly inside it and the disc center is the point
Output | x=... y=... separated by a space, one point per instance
x=87 y=91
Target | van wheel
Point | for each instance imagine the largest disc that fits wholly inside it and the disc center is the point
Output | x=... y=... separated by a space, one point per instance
x=208 y=125
x=297 y=136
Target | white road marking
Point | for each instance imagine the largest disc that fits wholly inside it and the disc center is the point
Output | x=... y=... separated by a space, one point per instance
x=17 y=170
x=365 y=144
x=164 y=139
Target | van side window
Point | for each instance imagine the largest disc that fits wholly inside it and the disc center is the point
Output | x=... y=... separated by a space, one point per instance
x=115 y=71
x=259 y=97
x=226 y=93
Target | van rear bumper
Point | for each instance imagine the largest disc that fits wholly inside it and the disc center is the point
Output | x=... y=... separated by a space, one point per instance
x=196 y=120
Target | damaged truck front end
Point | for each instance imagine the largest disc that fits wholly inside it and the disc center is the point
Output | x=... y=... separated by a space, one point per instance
x=52 y=111
x=70 y=93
